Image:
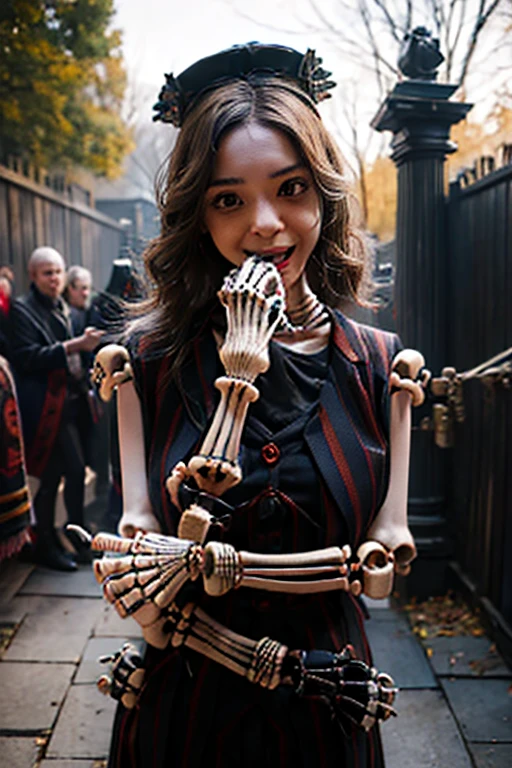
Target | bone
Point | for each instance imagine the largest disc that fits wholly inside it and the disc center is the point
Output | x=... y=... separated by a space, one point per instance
x=260 y=661
x=408 y=373
x=111 y=368
x=137 y=513
x=216 y=468
x=303 y=573
x=390 y=527
x=195 y=523
x=377 y=564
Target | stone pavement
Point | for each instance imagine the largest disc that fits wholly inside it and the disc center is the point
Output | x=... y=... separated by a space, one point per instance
x=55 y=625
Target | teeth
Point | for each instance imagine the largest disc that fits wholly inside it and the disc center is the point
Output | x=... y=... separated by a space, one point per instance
x=275 y=258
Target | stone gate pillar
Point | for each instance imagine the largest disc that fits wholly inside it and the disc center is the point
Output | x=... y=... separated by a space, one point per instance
x=419 y=114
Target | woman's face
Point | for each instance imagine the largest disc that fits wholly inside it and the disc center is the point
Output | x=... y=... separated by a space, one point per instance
x=262 y=200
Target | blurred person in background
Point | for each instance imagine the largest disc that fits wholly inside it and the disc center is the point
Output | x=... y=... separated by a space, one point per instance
x=92 y=416
x=6 y=295
x=78 y=295
x=14 y=492
x=47 y=367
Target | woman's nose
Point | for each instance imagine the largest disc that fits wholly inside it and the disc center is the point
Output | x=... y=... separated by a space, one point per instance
x=266 y=219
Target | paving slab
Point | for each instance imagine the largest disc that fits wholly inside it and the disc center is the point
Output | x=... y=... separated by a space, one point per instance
x=80 y=583
x=30 y=694
x=11 y=613
x=90 y=668
x=110 y=624
x=491 y=755
x=376 y=605
x=54 y=629
x=466 y=656
x=396 y=651
x=13 y=574
x=84 y=725
x=482 y=707
x=424 y=735
x=16 y=752
x=73 y=764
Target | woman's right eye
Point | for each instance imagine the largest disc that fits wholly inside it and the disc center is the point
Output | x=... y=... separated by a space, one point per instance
x=226 y=200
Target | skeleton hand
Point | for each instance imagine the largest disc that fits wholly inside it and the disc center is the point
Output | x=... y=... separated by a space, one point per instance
x=126 y=677
x=148 y=576
x=111 y=368
x=355 y=692
x=254 y=298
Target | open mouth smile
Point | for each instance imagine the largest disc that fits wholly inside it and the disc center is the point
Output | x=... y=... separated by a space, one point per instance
x=278 y=256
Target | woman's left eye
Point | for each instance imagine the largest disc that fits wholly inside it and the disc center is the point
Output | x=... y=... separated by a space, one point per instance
x=293 y=187
x=225 y=201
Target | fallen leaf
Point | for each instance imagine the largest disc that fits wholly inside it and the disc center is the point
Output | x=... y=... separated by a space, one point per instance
x=444 y=616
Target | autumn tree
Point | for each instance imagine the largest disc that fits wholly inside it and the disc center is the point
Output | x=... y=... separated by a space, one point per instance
x=62 y=82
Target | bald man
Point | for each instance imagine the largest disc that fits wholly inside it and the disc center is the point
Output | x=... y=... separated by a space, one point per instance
x=46 y=362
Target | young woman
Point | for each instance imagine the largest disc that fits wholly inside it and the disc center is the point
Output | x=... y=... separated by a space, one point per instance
x=255 y=173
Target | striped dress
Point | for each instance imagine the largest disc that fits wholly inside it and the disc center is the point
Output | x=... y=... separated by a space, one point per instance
x=14 y=493
x=315 y=462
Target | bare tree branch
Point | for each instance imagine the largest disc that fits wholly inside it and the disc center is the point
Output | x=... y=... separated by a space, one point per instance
x=408 y=18
x=437 y=13
x=450 y=51
x=375 y=51
x=482 y=18
x=390 y=20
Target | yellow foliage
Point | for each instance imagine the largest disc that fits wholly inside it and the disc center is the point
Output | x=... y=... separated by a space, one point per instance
x=381 y=198
x=473 y=141
x=62 y=83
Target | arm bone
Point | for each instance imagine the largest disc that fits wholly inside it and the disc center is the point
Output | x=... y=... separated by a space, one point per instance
x=303 y=573
x=137 y=513
x=407 y=381
x=253 y=297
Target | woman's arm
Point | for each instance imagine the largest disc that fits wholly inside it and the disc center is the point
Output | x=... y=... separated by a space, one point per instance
x=137 y=513
x=390 y=528
x=112 y=370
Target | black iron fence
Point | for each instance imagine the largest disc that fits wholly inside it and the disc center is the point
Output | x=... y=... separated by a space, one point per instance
x=31 y=215
x=480 y=327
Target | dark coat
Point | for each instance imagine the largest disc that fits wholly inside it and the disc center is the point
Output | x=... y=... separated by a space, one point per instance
x=40 y=367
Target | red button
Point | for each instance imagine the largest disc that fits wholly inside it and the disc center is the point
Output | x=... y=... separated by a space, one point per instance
x=270 y=454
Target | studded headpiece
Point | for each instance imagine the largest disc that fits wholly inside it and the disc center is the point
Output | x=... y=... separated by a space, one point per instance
x=241 y=62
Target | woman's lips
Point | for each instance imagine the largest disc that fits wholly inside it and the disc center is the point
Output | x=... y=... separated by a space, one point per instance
x=278 y=256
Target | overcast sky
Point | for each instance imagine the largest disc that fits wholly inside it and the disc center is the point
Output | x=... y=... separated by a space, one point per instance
x=167 y=35
x=161 y=36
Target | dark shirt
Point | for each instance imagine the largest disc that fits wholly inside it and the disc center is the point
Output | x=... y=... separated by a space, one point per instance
x=38 y=328
x=57 y=314
x=79 y=320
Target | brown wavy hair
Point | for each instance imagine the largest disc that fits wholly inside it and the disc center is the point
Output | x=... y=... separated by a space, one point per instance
x=183 y=263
